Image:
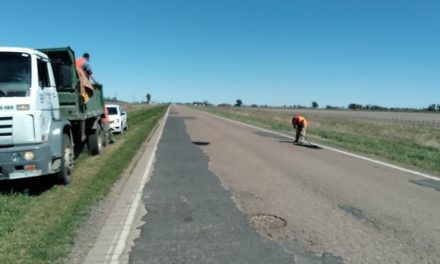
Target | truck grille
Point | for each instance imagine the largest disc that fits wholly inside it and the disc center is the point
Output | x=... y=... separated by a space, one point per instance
x=5 y=131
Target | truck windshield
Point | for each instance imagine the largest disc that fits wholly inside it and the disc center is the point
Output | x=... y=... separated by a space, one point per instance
x=15 y=74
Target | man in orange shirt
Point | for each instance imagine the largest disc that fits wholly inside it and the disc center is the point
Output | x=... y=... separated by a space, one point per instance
x=83 y=64
x=300 y=124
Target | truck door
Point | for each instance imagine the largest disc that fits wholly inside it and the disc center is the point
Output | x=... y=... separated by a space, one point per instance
x=47 y=96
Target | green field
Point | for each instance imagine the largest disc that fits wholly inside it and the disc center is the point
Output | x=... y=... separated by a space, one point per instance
x=409 y=144
x=38 y=221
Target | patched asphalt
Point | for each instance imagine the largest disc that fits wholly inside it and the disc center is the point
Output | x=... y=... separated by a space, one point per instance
x=191 y=218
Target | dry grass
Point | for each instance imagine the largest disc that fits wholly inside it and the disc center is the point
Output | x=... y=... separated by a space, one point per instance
x=129 y=107
x=410 y=132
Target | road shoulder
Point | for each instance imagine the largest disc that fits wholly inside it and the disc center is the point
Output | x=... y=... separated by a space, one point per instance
x=99 y=236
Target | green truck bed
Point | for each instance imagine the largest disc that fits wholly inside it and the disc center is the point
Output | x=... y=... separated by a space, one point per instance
x=68 y=87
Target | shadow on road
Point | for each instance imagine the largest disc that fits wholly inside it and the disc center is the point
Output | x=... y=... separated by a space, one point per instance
x=301 y=145
x=31 y=186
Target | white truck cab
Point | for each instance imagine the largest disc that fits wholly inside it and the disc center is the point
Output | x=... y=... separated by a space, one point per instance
x=46 y=113
x=29 y=107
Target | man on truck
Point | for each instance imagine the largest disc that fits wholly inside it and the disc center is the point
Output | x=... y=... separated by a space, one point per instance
x=83 y=64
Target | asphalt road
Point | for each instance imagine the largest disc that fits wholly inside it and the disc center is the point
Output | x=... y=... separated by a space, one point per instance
x=250 y=196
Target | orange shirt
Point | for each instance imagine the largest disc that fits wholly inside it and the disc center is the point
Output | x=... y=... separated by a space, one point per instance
x=79 y=62
x=299 y=121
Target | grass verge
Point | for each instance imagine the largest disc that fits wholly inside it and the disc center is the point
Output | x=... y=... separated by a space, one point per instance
x=42 y=228
x=390 y=148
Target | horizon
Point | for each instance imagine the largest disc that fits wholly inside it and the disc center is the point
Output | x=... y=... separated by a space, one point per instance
x=309 y=107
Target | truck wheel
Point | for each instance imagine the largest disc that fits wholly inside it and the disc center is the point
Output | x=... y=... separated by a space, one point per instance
x=64 y=175
x=95 y=142
x=122 y=128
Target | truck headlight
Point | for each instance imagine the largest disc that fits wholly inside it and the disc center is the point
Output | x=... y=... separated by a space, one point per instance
x=28 y=155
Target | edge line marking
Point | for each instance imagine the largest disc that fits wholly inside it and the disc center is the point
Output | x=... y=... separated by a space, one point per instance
x=126 y=227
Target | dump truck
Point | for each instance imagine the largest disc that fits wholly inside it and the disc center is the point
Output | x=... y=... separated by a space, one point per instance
x=47 y=116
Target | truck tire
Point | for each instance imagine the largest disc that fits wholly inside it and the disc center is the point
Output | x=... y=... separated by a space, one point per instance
x=64 y=176
x=95 y=142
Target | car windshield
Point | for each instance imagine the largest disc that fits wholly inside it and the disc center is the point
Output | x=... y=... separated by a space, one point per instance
x=112 y=110
x=15 y=74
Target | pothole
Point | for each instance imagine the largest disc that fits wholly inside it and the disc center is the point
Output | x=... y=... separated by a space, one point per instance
x=267 y=221
x=200 y=143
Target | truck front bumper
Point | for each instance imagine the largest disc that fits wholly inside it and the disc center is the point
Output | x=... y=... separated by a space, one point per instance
x=14 y=166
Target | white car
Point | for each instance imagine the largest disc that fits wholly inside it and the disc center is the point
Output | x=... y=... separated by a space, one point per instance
x=117 y=118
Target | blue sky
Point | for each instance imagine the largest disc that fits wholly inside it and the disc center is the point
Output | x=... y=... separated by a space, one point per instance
x=334 y=52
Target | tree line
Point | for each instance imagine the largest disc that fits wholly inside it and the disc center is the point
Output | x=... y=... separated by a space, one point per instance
x=315 y=105
x=430 y=108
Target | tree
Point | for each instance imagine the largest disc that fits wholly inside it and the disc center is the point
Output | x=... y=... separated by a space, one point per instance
x=353 y=106
x=148 y=96
x=238 y=103
x=315 y=105
x=431 y=107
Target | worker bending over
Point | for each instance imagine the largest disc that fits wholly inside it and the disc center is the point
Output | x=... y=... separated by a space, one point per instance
x=300 y=124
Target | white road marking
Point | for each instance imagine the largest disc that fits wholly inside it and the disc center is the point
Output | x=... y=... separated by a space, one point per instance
x=332 y=149
x=123 y=235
